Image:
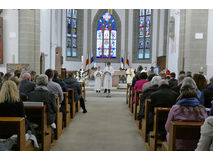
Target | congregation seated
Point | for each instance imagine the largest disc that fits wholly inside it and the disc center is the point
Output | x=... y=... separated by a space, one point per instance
x=177 y=88
x=206 y=138
x=59 y=81
x=173 y=82
x=200 y=81
x=17 y=73
x=146 y=94
x=71 y=82
x=26 y=86
x=23 y=96
x=187 y=108
x=148 y=84
x=54 y=87
x=33 y=76
x=135 y=79
x=10 y=103
x=208 y=94
x=42 y=94
x=139 y=84
x=163 y=97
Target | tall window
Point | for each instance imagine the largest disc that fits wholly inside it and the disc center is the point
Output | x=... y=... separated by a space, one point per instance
x=106 y=37
x=144 y=36
x=72 y=33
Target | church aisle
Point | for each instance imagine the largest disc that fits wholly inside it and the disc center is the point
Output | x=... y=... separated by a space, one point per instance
x=108 y=126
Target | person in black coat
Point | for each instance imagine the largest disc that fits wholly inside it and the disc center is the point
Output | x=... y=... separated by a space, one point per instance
x=208 y=95
x=59 y=81
x=163 y=97
x=71 y=82
x=41 y=94
x=26 y=86
x=173 y=82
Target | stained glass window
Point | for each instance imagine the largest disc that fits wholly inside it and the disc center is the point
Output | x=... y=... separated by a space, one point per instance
x=72 y=33
x=144 y=36
x=106 y=37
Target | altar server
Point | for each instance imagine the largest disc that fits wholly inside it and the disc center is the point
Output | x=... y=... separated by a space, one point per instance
x=108 y=73
x=98 y=77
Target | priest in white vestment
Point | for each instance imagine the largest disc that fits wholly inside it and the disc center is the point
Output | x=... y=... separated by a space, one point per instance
x=98 y=76
x=108 y=73
x=130 y=74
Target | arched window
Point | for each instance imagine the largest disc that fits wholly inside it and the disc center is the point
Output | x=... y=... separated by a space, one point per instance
x=106 y=37
x=144 y=36
x=72 y=15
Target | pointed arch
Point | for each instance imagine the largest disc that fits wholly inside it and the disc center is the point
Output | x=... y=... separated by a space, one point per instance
x=110 y=50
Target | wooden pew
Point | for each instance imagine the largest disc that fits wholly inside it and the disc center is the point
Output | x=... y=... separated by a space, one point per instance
x=139 y=122
x=135 y=106
x=182 y=130
x=72 y=105
x=36 y=112
x=59 y=120
x=159 y=131
x=128 y=92
x=131 y=100
x=16 y=125
x=144 y=130
x=83 y=90
x=67 y=109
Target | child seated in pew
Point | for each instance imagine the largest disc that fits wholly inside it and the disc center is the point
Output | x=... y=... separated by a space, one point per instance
x=187 y=108
x=42 y=94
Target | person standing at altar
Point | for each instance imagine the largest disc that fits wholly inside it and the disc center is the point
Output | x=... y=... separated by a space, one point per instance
x=108 y=73
x=98 y=76
x=130 y=74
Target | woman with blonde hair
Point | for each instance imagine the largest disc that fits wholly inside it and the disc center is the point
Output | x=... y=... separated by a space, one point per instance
x=10 y=103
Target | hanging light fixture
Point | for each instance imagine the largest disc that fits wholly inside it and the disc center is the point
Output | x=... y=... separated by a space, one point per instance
x=110 y=11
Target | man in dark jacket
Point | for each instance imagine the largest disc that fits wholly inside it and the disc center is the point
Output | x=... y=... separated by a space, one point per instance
x=41 y=94
x=173 y=82
x=71 y=82
x=26 y=86
x=163 y=97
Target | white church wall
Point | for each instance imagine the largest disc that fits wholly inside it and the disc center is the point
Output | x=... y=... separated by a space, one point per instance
x=10 y=35
x=173 y=53
x=209 y=56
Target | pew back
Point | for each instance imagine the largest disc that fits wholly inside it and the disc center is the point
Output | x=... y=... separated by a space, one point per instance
x=14 y=125
x=37 y=114
x=183 y=130
x=72 y=103
x=145 y=120
x=159 y=132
